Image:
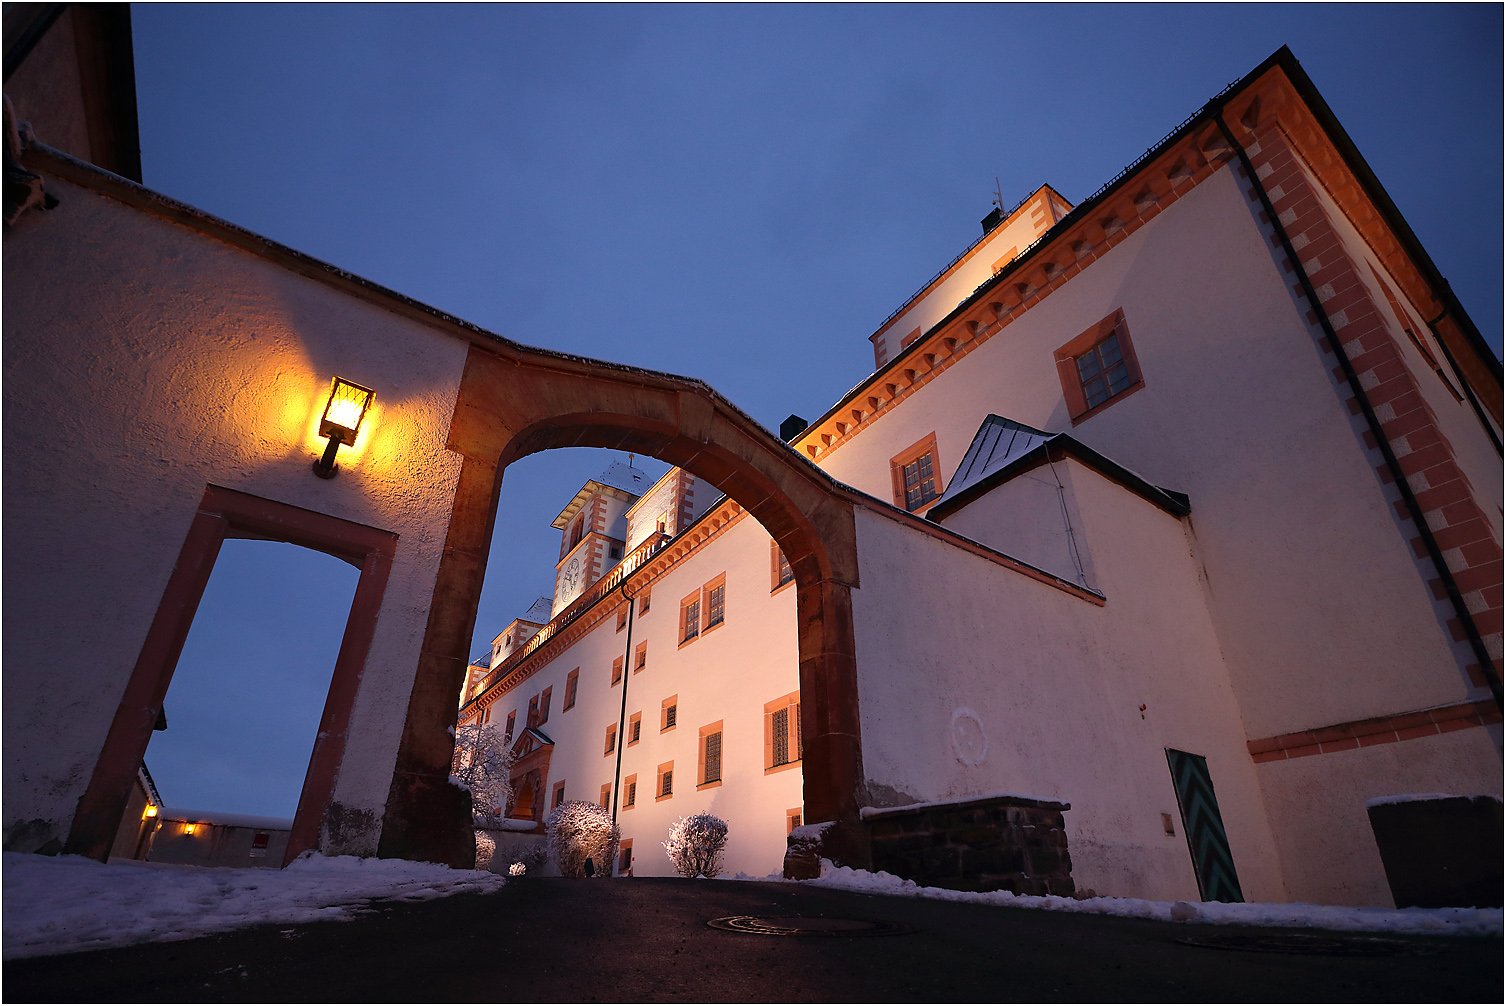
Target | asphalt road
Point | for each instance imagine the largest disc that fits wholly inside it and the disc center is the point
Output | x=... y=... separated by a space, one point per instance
x=540 y=941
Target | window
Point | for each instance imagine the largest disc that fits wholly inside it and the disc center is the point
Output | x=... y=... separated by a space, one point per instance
x=1009 y=257
x=611 y=744
x=629 y=790
x=559 y=795
x=666 y=787
x=625 y=858
x=792 y=819
x=1098 y=368
x=616 y=670
x=643 y=604
x=606 y=796
x=779 y=566
x=916 y=474
x=512 y=719
x=635 y=728
x=640 y=657
x=704 y=610
x=622 y=614
x=572 y=683
x=533 y=711
x=716 y=602
x=709 y=756
x=544 y=705
x=615 y=552
x=781 y=733
x=667 y=710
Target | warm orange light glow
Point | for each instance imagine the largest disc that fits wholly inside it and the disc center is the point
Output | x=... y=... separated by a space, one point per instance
x=188 y=829
x=346 y=408
x=151 y=812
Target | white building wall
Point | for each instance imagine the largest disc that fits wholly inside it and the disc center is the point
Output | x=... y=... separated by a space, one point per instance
x=1031 y=221
x=727 y=674
x=238 y=354
x=1319 y=606
x=1056 y=683
x=1034 y=518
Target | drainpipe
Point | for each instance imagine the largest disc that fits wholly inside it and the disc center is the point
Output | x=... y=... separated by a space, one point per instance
x=627 y=672
x=1414 y=509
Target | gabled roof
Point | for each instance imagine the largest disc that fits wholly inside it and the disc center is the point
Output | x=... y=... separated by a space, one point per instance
x=540 y=611
x=1003 y=448
x=625 y=478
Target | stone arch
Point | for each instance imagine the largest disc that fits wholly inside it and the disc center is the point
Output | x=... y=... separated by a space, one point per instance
x=516 y=401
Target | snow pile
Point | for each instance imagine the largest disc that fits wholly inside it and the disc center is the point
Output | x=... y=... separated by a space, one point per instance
x=1422 y=921
x=63 y=904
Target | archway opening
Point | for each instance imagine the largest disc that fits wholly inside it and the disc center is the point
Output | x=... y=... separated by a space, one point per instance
x=643 y=626
x=232 y=748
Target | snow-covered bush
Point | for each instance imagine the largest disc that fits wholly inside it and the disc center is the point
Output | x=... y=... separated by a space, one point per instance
x=486 y=847
x=577 y=831
x=530 y=860
x=695 y=845
x=482 y=765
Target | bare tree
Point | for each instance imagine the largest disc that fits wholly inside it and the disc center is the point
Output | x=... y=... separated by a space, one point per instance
x=482 y=765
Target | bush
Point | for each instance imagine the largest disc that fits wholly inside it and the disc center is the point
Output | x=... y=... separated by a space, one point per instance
x=578 y=831
x=696 y=844
x=486 y=847
x=481 y=767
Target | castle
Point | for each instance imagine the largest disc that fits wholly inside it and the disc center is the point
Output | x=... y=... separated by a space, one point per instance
x=1163 y=538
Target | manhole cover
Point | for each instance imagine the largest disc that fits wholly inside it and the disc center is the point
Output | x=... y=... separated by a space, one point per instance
x=801 y=925
x=1297 y=943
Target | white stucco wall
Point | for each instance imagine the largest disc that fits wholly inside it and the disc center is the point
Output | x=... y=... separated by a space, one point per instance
x=727 y=674
x=1320 y=607
x=1032 y=517
x=1056 y=683
x=143 y=361
x=1029 y=223
x=1328 y=849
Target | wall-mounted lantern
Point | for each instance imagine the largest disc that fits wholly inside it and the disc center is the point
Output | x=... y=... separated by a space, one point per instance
x=189 y=829
x=151 y=811
x=341 y=421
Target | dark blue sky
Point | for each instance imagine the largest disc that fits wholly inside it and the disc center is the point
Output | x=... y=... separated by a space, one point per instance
x=743 y=194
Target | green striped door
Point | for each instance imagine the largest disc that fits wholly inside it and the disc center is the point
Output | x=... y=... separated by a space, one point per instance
x=1204 y=828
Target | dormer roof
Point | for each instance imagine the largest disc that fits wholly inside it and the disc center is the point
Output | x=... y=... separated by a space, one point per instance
x=1003 y=448
x=620 y=477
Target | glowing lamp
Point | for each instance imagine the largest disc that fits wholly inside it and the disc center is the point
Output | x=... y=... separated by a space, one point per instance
x=151 y=812
x=188 y=829
x=341 y=421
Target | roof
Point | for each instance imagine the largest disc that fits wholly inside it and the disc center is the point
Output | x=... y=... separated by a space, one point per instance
x=1003 y=448
x=619 y=476
x=539 y=612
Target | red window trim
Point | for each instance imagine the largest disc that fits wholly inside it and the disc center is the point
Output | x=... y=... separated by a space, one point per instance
x=925 y=445
x=1066 y=366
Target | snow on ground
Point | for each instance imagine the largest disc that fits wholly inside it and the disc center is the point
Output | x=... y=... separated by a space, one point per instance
x=1421 y=921
x=58 y=905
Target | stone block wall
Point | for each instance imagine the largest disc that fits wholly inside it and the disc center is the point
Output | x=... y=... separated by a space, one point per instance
x=992 y=843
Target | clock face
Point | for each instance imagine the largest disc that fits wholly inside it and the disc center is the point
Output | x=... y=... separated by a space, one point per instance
x=571 y=575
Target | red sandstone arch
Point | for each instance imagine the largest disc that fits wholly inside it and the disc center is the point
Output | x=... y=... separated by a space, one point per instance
x=516 y=401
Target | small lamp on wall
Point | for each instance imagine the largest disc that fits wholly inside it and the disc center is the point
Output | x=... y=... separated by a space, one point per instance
x=341 y=421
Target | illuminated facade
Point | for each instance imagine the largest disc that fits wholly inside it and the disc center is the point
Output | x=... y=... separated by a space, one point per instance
x=1188 y=495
